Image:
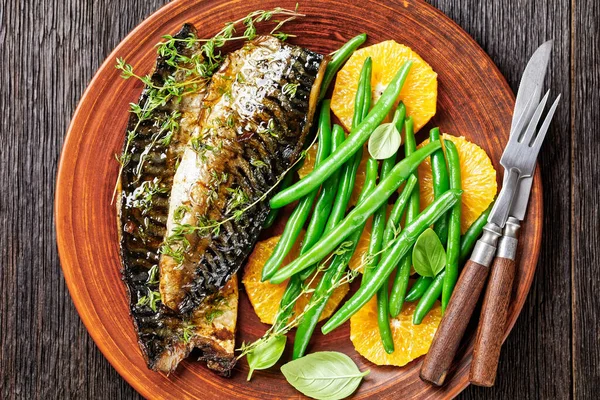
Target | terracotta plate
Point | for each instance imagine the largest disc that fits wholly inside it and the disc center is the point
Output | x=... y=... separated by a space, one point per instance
x=474 y=101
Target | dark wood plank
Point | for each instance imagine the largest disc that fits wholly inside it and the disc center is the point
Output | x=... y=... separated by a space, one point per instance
x=586 y=197
x=540 y=343
x=52 y=48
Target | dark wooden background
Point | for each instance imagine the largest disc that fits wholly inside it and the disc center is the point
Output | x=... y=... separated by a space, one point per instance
x=50 y=51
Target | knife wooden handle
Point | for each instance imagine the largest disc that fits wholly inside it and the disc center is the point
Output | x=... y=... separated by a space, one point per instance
x=452 y=327
x=492 y=323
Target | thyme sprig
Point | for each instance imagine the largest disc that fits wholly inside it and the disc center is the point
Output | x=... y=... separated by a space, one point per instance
x=191 y=72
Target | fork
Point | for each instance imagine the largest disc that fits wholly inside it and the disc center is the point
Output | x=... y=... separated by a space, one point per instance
x=519 y=160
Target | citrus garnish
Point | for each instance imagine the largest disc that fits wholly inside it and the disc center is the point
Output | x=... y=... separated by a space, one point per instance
x=478 y=178
x=309 y=161
x=410 y=341
x=265 y=296
x=419 y=93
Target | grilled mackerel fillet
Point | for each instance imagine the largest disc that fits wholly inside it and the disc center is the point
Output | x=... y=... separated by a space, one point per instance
x=260 y=107
x=167 y=336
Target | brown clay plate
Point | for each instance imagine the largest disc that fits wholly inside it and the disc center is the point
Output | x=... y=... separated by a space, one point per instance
x=474 y=100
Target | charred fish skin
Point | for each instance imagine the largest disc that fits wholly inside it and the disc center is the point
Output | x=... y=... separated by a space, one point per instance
x=261 y=106
x=165 y=337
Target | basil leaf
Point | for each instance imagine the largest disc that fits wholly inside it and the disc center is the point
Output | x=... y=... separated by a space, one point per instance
x=325 y=375
x=266 y=354
x=384 y=141
x=428 y=255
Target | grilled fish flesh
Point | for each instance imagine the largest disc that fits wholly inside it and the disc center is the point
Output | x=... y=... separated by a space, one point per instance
x=152 y=154
x=261 y=103
x=248 y=130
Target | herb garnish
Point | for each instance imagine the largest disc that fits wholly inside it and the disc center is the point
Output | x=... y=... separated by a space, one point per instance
x=428 y=255
x=141 y=198
x=191 y=72
x=210 y=316
x=290 y=89
x=149 y=300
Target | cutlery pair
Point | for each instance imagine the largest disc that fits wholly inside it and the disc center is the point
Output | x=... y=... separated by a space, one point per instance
x=498 y=242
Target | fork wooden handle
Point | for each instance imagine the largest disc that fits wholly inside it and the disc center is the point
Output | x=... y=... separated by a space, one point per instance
x=492 y=323
x=452 y=327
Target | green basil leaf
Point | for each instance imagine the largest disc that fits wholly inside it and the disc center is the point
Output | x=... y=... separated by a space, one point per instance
x=325 y=375
x=266 y=354
x=384 y=141
x=428 y=255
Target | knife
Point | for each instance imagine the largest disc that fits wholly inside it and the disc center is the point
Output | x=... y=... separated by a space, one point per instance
x=518 y=160
x=529 y=88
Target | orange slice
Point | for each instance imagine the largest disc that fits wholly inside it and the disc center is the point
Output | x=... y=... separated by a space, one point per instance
x=265 y=297
x=410 y=341
x=419 y=92
x=478 y=178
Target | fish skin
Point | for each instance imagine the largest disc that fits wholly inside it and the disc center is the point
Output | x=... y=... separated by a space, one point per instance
x=161 y=332
x=253 y=131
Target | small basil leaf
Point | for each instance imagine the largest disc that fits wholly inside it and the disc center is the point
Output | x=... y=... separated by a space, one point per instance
x=266 y=354
x=428 y=255
x=325 y=375
x=384 y=141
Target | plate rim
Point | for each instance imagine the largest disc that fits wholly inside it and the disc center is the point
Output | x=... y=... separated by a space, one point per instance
x=64 y=198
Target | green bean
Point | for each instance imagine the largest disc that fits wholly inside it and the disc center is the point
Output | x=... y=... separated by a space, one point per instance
x=453 y=247
x=393 y=222
x=358 y=215
x=392 y=256
x=439 y=175
x=300 y=214
x=400 y=284
x=428 y=299
x=338 y=59
x=324 y=288
x=285 y=182
x=355 y=141
x=348 y=178
x=327 y=194
x=468 y=240
x=434 y=290
x=418 y=289
x=375 y=245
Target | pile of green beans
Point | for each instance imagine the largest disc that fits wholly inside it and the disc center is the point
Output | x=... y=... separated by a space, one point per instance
x=358 y=215
x=331 y=184
x=392 y=256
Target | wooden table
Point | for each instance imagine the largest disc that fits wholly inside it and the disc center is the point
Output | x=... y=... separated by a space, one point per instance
x=50 y=51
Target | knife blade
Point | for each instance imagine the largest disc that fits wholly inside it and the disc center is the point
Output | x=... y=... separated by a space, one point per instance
x=529 y=88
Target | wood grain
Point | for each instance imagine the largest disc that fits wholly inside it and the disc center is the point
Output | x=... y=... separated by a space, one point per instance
x=51 y=49
x=492 y=322
x=586 y=199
